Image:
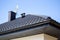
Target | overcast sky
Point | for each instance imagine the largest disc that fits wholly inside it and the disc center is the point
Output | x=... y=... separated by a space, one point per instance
x=36 y=7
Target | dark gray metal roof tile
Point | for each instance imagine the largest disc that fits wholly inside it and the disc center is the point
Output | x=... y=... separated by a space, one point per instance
x=19 y=22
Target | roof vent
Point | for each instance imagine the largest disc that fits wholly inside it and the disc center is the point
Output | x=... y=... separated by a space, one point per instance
x=23 y=15
x=11 y=16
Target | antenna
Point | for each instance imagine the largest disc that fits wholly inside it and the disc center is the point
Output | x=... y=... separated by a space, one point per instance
x=16 y=9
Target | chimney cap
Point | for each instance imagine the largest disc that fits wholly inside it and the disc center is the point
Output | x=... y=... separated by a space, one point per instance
x=23 y=15
x=11 y=12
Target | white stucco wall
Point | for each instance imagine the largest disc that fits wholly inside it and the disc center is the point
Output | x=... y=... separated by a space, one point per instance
x=48 y=37
x=37 y=37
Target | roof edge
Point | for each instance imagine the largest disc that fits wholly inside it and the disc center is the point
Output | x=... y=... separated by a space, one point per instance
x=54 y=23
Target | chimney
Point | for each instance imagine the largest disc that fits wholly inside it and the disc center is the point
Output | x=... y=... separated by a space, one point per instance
x=23 y=15
x=11 y=16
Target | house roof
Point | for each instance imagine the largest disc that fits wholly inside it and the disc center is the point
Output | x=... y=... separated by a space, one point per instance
x=26 y=22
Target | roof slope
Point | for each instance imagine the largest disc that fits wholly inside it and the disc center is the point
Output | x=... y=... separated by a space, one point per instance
x=22 y=23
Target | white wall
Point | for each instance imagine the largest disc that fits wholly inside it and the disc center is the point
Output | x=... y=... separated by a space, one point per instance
x=48 y=37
